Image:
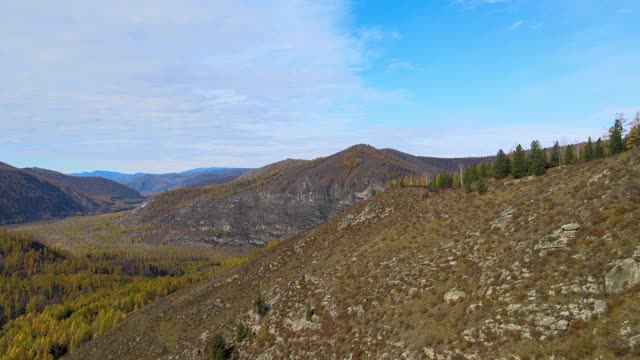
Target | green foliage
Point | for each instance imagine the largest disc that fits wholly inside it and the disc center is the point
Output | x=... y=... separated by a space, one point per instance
x=588 y=150
x=260 y=306
x=308 y=312
x=241 y=332
x=469 y=176
x=538 y=159
x=519 y=166
x=555 y=155
x=598 y=149
x=482 y=186
x=483 y=170
x=616 y=145
x=501 y=166
x=219 y=349
x=569 y=157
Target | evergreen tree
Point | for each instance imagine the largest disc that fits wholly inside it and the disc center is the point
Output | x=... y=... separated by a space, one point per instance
x=519 y=166
x=482 y=170
x=588 y=150
x=538 y=163
x=616 y=144
x=470 y=175
x=501 y=166
x=598 y=149
x=555 y=155
x=482 y=186
x=569 y=157
x=446 y=180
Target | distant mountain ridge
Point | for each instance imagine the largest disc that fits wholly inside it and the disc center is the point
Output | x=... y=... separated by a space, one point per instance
x=280 y=199
x=37 y=194
x=150 y=184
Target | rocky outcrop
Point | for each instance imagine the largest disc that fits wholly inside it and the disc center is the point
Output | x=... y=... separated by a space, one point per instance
x=625 y=273
x=558 y=239
x=454 y=296
x=504 y=220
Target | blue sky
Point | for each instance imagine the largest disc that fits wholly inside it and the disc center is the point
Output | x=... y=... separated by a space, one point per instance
x=164 y=85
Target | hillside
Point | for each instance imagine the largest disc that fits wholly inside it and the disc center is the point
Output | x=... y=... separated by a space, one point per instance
x=279 y=200
x=150 y=184
x=38 y=194
x=26 y=197
x=534 y=268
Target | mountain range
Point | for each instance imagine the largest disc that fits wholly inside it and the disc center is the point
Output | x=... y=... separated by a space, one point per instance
x=149 y=184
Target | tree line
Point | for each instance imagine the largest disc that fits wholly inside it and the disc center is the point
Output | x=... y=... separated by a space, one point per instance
x=534 y=161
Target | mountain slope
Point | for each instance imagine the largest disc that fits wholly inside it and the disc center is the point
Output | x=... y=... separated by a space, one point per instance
x=26 y=197
x=533 y=268
x=38 y=194
x=277 y=201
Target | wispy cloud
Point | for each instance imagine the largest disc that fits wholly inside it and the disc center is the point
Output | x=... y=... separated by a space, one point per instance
x=176 y=73
x=516 y=25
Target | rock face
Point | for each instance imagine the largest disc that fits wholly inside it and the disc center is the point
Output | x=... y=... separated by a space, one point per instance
x=504 y=220
x=625 y=274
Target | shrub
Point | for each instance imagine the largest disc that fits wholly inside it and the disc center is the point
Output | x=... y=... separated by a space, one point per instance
x=218 y=349
x=260 y=306
x=241 y=332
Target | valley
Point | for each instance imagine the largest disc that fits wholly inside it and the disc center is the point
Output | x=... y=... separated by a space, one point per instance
x=348 y=180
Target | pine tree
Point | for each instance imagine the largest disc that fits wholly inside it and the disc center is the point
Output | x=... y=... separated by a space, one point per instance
x=616 y=144
x=470 y=175
x=482 y=186
x=482 y=170
x=569 y=157
x=538 y=163
x=598 y=149
x=555 y=155
x=501 y=166
x=588 y=150
x=519 y=166
x=446 y=180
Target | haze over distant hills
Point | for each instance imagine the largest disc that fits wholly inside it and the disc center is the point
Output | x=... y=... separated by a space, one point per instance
x=150 y=184
x=35 y=194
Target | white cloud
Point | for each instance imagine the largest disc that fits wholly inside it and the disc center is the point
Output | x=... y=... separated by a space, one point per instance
x=153 y=76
